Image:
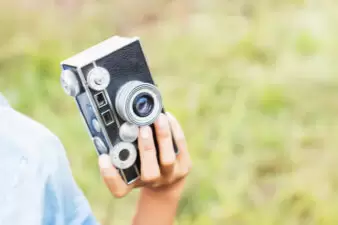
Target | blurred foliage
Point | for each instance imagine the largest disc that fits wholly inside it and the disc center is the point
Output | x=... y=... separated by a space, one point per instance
x=254 y=84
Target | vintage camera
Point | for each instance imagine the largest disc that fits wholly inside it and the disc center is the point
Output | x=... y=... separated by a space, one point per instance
x=115 y=93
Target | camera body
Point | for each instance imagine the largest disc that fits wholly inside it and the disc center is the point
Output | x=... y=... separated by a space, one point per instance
x=115 y=93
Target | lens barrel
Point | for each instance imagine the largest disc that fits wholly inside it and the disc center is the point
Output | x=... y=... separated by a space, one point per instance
x=138 y=103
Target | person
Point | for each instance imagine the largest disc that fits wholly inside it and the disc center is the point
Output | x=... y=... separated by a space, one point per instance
x=37 y=186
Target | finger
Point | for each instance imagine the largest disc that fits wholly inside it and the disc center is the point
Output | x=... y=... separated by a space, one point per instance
x=165 y=145
x=112 y=177
x=150 y=170
x=139 y=184
x=183 y=158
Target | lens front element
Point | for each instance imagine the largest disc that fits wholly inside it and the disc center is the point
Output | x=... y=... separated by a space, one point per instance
x=143 y=105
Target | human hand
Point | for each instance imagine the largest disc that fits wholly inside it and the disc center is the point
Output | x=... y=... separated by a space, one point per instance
x=163 y=178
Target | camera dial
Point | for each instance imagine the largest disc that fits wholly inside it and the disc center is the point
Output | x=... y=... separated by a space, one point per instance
x=128 y=132
x=123 y=155
x=96 y=125
x=69 y=83
x=98 y=78
x=101 y=147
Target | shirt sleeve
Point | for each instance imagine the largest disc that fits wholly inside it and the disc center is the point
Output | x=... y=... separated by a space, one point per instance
x=36 y=183
x=63 y=195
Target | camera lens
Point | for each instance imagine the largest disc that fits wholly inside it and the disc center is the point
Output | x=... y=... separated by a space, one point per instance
x=143 y=105
x=138 y=103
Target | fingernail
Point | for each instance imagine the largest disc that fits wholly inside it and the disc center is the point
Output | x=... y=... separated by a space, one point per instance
x=104 y=161
x=162 y=121
x=144 y=131
x=170 y=115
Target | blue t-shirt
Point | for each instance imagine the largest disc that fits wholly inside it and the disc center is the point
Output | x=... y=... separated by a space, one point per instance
x=36 y=183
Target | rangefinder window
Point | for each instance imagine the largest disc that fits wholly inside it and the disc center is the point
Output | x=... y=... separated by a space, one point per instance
x=100 y=99
x=107 y=117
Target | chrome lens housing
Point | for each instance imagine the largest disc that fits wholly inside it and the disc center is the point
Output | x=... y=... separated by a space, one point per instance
x=132 y=93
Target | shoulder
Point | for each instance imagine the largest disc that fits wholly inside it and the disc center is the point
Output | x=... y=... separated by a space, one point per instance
x=34 y=165
x=21 y=136
x=16 y=123
x=29 y=156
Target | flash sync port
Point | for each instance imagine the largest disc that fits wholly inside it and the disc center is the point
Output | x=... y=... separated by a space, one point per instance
x=107 y=117
x=100 y=99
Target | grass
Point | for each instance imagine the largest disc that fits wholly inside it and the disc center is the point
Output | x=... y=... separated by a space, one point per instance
x=253 y=84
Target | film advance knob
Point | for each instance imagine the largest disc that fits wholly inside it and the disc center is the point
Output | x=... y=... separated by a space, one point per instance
x=70 y=83
x=98 y=78
x=123 y=155
x=101 y=147
x=128 y=132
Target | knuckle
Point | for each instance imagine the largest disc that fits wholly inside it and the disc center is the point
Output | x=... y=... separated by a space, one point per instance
x=185 y=171
x=151 y=178
x=189 y=166
x=119 y=194
x=148 y=146
x=108 y=174
x=150 y=149
x=168 y=161
x=181 y=142
x=164 y=132
x=168 y=157
x=170 y=180
x=157 y=184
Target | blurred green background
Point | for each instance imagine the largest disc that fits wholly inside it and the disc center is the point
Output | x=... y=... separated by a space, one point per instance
x=253 y=82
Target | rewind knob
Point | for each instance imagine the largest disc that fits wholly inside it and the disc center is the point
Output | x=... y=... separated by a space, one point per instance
x=98 y=78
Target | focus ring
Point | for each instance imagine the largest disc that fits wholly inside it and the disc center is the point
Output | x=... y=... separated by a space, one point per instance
x=122 y=95
x=124 y=102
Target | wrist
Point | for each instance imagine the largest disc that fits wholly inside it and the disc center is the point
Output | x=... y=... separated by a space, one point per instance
x=171 y=193
x=158 y=205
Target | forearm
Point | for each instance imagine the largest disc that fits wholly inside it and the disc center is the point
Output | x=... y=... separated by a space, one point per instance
x=155 y=210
